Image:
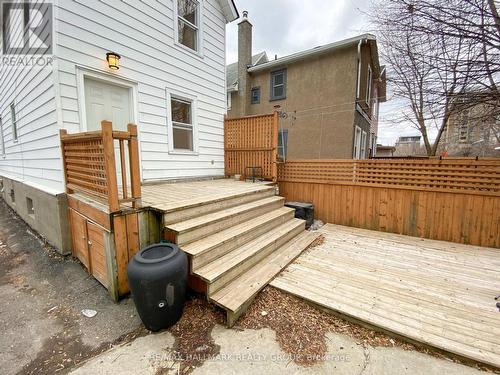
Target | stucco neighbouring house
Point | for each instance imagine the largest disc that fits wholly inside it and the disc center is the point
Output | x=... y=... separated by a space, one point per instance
x=329 y=95
x=171 y=82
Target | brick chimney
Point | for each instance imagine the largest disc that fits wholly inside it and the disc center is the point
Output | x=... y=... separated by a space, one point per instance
x=244 y=60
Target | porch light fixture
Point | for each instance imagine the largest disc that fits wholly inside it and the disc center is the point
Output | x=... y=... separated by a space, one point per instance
x=113 y=60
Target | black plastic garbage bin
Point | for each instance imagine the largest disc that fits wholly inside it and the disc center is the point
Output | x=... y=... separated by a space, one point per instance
x=157 y=277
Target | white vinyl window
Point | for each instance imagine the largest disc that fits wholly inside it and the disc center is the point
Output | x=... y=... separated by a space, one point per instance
x=369 y=86
x=14 y=122
x=357 y=143
x=182 y=124
x=188 y=24
x=362 y=148
x=229 y=101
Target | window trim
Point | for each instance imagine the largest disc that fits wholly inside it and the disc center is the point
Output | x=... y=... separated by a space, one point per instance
x=257 y=88
x=13 y=119
x=369 y=78
x=285 y=83
x=172 y=94
x=199 y=28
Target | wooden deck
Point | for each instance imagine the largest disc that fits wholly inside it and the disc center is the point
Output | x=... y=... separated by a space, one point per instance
x=438 y=293
x=174 y=196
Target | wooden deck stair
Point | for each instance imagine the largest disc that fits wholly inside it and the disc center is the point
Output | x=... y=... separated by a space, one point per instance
x=237 y=245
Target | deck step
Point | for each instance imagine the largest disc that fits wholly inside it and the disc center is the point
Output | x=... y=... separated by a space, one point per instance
x=236 y=296
x=207 y=249
x=193 y=229
x=196 y=208
x=228 y=267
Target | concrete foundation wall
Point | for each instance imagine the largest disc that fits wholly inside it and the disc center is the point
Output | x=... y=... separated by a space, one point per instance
x=49 y=216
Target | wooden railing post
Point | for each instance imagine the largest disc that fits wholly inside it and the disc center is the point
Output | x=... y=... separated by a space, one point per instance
x=275 y=146
x=110 y=165
x=135 y=177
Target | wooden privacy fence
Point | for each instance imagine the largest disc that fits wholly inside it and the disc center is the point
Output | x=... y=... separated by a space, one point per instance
x=251 y=142
x=90 y=167
x=452 y=199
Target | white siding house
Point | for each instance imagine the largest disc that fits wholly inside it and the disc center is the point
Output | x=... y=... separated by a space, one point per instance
x=172 y=54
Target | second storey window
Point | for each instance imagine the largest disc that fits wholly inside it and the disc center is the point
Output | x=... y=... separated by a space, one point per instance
x=255 y=95
x=278 y=84
x=188 y=23
x=14 y=121
x=182 y=124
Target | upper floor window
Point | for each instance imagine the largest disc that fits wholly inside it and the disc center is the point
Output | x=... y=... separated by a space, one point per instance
x=14 y=121
x=188 y=23
x=369 y=86
x=255 y=95
x=278 y=84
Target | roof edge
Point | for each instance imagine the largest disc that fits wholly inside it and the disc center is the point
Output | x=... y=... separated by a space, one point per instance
x=311 y=52
x=229 y=9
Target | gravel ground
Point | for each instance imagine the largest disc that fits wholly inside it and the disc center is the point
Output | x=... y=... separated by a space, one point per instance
x=42 y=294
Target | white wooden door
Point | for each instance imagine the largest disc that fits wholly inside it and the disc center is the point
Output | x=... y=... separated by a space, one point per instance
x=106 y=101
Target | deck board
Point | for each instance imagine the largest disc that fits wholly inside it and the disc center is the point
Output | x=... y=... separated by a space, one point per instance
x=173 y=196
x=439 y=293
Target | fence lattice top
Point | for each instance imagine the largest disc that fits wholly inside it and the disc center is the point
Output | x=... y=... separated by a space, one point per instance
x=431 y=174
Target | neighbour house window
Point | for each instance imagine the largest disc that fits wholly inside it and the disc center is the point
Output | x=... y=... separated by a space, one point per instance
x=369 y=86
x=278 y=84
x=363 y=146
x=229 y=101
x=14 y=121
x=188 y=23
x=357 y=143
x=2 y=142
x=463 y=129
x=282 y=143
x=182 y=124
x=255 y=95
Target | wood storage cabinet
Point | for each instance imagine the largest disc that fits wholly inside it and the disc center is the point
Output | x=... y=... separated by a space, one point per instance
x=104 y=243
x=89 y=246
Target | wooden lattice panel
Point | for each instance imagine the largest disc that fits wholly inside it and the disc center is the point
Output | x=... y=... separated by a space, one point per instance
x=85 y=166
x=251 y=142
x=424 y=174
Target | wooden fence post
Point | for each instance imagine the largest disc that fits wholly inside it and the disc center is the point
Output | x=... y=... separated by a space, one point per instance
x=133 y=154
x=110 y=165
x=275 y=146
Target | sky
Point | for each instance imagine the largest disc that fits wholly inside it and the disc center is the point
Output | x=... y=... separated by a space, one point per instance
x=283 y=27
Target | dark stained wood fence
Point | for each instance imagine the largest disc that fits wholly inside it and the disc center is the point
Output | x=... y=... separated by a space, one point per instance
x=251 y=142
x=454 y=200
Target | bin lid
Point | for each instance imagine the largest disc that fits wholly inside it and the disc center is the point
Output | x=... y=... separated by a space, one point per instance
x=156 y=253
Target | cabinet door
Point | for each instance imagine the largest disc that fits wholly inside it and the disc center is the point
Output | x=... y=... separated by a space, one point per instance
x=97 y=253
x=80 y=240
